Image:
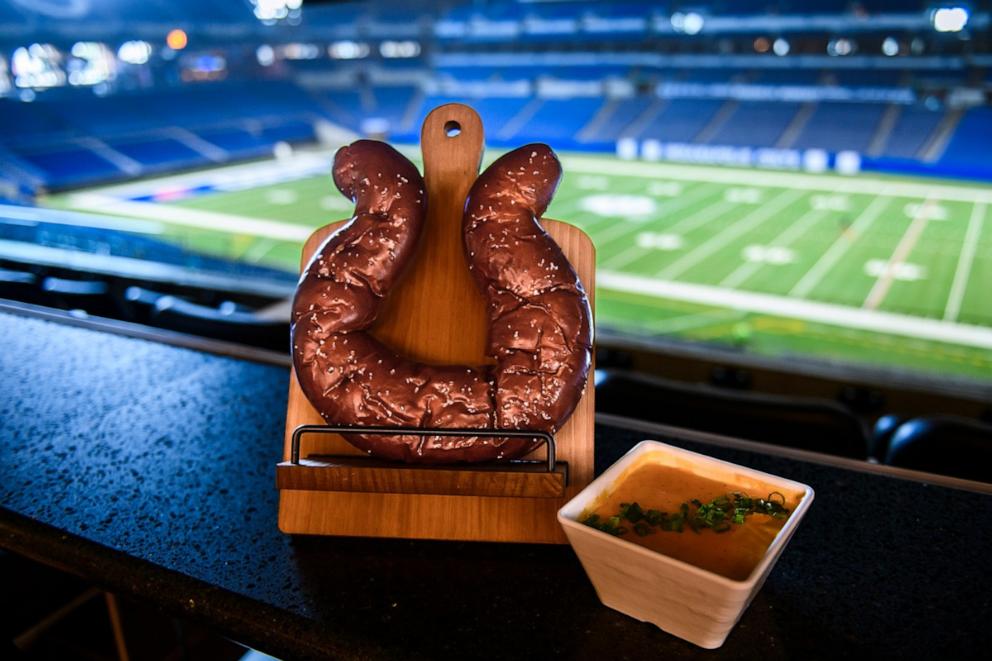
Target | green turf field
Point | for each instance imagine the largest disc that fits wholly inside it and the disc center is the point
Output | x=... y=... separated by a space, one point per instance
x=871 y=269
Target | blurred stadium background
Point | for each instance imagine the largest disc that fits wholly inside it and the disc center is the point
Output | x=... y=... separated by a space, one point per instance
x=788 y=178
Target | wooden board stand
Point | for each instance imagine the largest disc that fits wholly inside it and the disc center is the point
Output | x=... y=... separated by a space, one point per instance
x=437 y=315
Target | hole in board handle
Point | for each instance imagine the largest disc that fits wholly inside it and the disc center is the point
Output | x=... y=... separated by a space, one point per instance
x=452 y=129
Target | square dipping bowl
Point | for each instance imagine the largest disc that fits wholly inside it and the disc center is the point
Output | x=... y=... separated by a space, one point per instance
x=695 y=604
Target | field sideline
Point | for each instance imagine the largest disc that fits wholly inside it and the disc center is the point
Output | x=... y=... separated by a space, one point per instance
x=888 y=271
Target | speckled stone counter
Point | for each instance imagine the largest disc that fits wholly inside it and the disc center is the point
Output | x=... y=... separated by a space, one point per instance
x=149 y=469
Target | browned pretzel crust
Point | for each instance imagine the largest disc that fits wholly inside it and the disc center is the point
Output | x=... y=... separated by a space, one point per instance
x=540 y=330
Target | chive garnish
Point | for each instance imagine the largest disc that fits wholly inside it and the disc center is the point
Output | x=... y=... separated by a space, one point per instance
x=717 y=515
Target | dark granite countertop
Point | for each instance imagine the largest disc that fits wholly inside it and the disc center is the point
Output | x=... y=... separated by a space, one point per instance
x=149 y=469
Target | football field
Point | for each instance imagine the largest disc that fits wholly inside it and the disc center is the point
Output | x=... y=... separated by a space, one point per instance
x=870 y=269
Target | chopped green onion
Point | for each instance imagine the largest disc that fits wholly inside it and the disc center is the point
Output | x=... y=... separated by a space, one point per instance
x=718 y=515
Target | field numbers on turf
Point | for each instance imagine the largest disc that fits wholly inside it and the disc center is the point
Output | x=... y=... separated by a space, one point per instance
x=631 y=207
x=932 y=211
x=335 y=203
x=830 y=203
x=659 y=241
x=281 y=196
x=590 y=182
x=769 y=254
x=664 y=188
x=743 y=195
x=876 y=268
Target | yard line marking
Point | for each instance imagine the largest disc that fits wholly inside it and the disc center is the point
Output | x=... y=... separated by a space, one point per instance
x=238 y=176
x=906 y=244
x=963 y=271
x=691 y=321
x=813 y=277
x=775 y=179
x=814 y=311
x=258 y=250
x=747 y=269
x=685 y=225
x=745 y=224
x=622 y=227
x=206 y=220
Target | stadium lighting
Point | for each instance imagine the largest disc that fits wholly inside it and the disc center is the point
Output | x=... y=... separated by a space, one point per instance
x=397 y=49
x=265 y=55
x=348 y=50
x=176 y=39
x=37 y=66
x=689 y=22
x=134 y=52
x=299 y=51
x=840 y=47
x=949 y=19
x=890 y=47
x=780 y=47
x=91 y=63
x=272 y=11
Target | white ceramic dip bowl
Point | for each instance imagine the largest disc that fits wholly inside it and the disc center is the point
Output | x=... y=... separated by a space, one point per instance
x=689 y=602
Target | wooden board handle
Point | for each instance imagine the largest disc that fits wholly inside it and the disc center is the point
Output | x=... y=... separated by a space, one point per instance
x=436 y=313
x=451 y=140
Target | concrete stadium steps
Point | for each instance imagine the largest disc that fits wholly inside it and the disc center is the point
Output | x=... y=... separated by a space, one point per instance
x=884 y=130
x=717 y=122
x=837 y=126
x=755 y=124
x=796 y=126
x=963 y=139
x=682 y=120
x=911 y=130
x=942 y=135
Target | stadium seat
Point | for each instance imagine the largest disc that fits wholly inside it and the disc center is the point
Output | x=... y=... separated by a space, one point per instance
x=226 y=323
x=92 y=296
x=19 y=286
x=803 y=423
x=139 y=303
x=881 y=436
x=954 y=446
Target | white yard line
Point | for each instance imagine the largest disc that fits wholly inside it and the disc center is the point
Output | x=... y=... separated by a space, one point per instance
x=825 y=313
x=813 y=277
x=776 y=178
x=258 y=250
x=685 y=225
x=258 y=173
x=692 y=321
x=905 y=247
x=963 y=271
x=785 y=239
x=742 y=226
x=206 y=220
x=625 y=227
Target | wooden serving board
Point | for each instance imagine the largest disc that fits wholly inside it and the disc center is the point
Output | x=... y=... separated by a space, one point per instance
x=437 y=315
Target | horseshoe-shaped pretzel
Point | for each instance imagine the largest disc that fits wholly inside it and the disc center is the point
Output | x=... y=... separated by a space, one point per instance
x=540 y=330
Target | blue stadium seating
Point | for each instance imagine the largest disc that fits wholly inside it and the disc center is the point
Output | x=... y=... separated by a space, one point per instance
x=71 y=166
x=237 y=142
x=911 y=131
x=392 y=103
x=557 y=121
x=625 y=112
x=838 y=126
x=972 y=142
x=682 y=119
x=755 y=124
x=158 y=153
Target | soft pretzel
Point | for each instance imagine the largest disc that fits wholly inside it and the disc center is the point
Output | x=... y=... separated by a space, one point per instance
x=540 y=331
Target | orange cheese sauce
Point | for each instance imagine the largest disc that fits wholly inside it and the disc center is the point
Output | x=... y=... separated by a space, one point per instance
x=733 y=554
